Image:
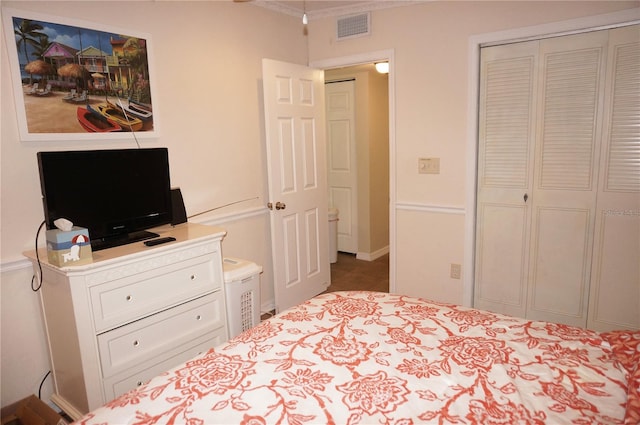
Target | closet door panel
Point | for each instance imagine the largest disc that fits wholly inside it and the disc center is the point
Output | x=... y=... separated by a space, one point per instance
x=502 y=254
x=568 y=133
x=622 y=113
x=565 y=179
x=505 y=175
x=561 y=255
x=615 y=294
x=615 y=276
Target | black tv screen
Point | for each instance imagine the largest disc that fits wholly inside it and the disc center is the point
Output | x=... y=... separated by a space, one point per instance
x=117 y=194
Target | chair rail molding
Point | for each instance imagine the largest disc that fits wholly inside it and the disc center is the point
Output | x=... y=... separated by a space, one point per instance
x=430 y=208
x=21 y=263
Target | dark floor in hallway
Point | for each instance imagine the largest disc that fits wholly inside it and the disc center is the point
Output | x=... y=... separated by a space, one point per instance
x=350 y=274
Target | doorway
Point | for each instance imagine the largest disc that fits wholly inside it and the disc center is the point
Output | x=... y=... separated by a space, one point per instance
x=368 y=58
x=358 y=160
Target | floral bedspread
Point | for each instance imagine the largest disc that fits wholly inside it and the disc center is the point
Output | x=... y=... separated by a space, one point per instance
x=377 y=358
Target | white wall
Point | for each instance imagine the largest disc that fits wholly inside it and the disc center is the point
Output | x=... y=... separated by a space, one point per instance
x=431 y=69
x=208 y=75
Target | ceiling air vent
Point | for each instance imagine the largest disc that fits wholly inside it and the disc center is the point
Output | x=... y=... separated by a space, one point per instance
x=353 y=26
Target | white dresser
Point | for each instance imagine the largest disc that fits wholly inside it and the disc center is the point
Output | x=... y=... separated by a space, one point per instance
x=132 y=313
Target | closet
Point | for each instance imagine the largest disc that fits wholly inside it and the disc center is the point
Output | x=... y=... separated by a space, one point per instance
x=558 y=189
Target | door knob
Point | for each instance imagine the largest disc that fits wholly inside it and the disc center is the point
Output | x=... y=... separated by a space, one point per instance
x=525 y=197
x=279 y=206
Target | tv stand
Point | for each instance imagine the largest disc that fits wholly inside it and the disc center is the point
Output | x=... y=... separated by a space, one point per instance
x=127 y=238
x=132 y=313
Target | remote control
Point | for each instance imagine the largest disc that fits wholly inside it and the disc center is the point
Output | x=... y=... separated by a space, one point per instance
x=158 y=241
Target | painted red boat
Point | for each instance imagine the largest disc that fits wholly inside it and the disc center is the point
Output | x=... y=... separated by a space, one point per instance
x=92 y=121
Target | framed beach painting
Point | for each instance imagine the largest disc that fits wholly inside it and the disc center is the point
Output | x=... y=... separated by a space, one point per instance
x=76 y=80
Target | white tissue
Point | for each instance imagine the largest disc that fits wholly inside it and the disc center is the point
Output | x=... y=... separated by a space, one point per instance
x=63 y=224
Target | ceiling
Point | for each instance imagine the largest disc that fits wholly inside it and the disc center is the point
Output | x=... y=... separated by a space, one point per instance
x=324 y=8
x=317 y=5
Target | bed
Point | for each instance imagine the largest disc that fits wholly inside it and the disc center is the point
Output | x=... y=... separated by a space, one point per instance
x=378 y=358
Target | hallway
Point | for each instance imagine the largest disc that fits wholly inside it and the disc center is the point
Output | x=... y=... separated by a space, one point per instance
x=350 y=274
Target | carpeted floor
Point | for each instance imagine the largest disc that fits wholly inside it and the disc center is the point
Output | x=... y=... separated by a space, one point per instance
x=350 y=274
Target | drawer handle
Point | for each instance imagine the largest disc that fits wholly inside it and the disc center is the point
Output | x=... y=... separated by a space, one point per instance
x=136 y=343
x=198 y=317
x=193 y=277
x=139 y=383
x=129 y=298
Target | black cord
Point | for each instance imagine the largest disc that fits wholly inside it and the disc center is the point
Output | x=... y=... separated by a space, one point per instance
x=41 y=384
x=33 y=278
x=222 y=206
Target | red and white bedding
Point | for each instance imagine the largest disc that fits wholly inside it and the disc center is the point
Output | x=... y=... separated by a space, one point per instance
x=376 y=358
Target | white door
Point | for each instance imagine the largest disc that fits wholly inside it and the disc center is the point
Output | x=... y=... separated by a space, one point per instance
x=295 y=138
x=563 y=201
x=505 y=176
x=341 y=160
x=614 y=301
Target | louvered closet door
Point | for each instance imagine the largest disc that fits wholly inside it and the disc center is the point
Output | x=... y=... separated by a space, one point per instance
x=563 y=201
x=615 y=277
x=560 y=128
x=564 y=197
x=505 y=176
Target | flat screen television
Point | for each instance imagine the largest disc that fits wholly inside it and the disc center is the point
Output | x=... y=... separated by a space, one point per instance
x=117 y=194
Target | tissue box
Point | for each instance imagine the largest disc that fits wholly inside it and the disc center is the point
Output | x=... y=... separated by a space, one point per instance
x=71 y=248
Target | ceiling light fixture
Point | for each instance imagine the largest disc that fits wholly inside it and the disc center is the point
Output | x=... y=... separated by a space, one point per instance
x=305 y=20
x=382 y=67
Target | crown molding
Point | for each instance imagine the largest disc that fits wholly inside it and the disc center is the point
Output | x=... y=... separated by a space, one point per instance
x=357 y=7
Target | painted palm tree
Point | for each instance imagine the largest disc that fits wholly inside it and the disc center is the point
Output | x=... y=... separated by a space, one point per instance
x=28 y=32
x=41 y=47
x=38 y=53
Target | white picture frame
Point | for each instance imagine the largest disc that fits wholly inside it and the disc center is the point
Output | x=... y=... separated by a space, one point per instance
x=115 y=74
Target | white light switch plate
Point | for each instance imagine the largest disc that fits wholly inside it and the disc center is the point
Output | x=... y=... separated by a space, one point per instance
x=429 y=165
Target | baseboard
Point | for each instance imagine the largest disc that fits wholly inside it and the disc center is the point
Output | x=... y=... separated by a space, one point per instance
x=268 y=306
x=371 y=256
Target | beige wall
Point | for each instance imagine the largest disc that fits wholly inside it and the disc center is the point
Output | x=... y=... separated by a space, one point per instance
x=208 y=74
x=430 y=44
x=379 y=160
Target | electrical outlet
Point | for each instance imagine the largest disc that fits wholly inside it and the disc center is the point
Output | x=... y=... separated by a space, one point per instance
x=429 y=165
x=456 y=271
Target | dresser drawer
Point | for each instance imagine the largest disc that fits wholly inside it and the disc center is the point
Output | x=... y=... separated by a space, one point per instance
x=120 y=301
x=128 y=380
x=153 y=336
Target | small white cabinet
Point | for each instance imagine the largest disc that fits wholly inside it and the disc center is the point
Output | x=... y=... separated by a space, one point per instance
x=132 y=313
